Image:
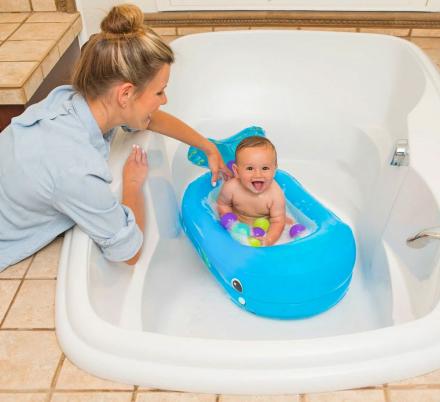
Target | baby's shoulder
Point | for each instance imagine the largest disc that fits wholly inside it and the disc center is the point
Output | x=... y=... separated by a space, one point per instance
x=231 y=184
x=276 y=194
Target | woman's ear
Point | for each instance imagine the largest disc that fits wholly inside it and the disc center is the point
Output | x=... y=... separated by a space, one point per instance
x=235 y=169
x=124 y=92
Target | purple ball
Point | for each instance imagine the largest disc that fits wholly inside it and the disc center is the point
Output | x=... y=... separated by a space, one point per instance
x=296 y=229
x=228 y=219
x=258 y=232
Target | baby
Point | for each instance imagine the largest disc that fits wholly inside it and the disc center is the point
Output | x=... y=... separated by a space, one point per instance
x=253 y=193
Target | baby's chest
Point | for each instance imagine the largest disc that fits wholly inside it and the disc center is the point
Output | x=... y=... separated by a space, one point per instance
x=256 y=205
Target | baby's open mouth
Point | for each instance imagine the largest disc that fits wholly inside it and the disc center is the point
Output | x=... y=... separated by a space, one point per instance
x=258 y=185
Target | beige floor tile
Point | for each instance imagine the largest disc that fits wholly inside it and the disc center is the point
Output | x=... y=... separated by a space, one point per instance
x=65 y=41
x=40 y=31
x=414 y=395
x=44 y=5
x=71 y=377
x=34 y=306
x=7 y=29
x=425 y=32
x=174 y=397
x=12 y=17
x=12 y=96
x=92 y=397
x=231 y=29
x=17 y=270
x=336 y=29
x=53 y=17
x=432 y=378
x=33 y=82
x=259 y=398
x=373 y=395
x=41 y=397
x=427 y=43
x=169 y=39
x=45 y=264
x=165 y=30
x=274 y=28
x=25 y=50
x=192 y=30
x=7 y=292
x=28 y=359
x=15 y=74
x=50 y=61
x=15 y=5
x=387 y=31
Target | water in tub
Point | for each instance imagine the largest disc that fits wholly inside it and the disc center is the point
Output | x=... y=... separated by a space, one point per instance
x=291 y=211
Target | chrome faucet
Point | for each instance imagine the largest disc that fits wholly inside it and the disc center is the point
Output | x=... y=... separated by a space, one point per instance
x=401 y=154
x=422 y=238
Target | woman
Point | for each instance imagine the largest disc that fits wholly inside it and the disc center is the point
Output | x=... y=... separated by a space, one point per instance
x=53 y=158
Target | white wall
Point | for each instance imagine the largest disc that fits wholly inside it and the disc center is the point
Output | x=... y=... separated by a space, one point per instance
x=93 y=11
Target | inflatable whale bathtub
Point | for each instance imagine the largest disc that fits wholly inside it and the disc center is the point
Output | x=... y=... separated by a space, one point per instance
x=296 y=279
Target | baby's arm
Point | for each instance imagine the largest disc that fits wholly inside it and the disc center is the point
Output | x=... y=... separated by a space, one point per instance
x=224 y=200
x=277 y=216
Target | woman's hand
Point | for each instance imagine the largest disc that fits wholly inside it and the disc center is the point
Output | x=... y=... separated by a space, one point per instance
x=135 y=168
x=217 y=166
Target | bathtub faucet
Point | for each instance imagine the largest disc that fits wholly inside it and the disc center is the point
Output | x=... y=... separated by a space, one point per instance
x=422 y=238
x=401 y=154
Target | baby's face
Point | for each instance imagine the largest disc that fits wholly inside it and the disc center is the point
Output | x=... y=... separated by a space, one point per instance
x=255 y=168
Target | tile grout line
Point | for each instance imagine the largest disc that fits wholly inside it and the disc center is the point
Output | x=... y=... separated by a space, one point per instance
x=16 y=292
x=386 y=393
x=135 y=393
x=55 y=377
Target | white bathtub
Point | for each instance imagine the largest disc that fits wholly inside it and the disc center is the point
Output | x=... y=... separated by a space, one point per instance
x=334 y=104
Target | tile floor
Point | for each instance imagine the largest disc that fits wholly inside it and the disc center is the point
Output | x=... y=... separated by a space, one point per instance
x=34 y=369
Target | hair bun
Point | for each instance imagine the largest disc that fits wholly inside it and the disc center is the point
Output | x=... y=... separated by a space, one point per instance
x=123 y=19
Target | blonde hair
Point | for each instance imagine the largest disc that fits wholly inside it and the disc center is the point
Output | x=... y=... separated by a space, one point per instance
x=124 y=51
x=253 y=142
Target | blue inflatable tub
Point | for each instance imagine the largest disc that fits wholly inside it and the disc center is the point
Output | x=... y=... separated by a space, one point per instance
x=286 y=281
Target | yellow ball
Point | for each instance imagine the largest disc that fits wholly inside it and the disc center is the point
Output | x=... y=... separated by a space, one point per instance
x=262 y=223
x=254 y=242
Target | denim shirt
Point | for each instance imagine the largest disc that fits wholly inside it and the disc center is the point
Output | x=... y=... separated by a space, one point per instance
x=53 y=175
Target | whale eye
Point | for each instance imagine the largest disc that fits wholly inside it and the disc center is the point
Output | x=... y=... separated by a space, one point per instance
x=237 y=285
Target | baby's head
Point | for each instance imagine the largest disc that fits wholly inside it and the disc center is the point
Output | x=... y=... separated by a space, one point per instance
x=255 y=163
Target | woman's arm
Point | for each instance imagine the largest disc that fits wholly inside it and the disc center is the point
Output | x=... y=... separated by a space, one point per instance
x=171 y=126
x=134 y=175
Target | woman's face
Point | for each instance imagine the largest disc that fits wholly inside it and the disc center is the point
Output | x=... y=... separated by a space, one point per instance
x=142 y=104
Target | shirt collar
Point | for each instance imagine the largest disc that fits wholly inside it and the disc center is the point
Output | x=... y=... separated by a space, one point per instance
x=83 y=111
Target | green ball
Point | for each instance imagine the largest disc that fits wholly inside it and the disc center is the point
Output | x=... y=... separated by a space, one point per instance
x=262 y=223
x=254 y=242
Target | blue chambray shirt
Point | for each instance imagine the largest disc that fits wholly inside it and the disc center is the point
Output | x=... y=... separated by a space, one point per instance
x=53 y=175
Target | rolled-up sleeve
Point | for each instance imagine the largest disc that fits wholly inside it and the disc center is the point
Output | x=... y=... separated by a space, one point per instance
x=87 y=200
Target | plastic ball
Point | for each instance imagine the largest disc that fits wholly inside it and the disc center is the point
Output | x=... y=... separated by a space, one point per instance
x=254 y=242
x=228 y=219
x=240 y=229
x=229 y=165
x=258 y=232
x=262 y=223
x=296 y=229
